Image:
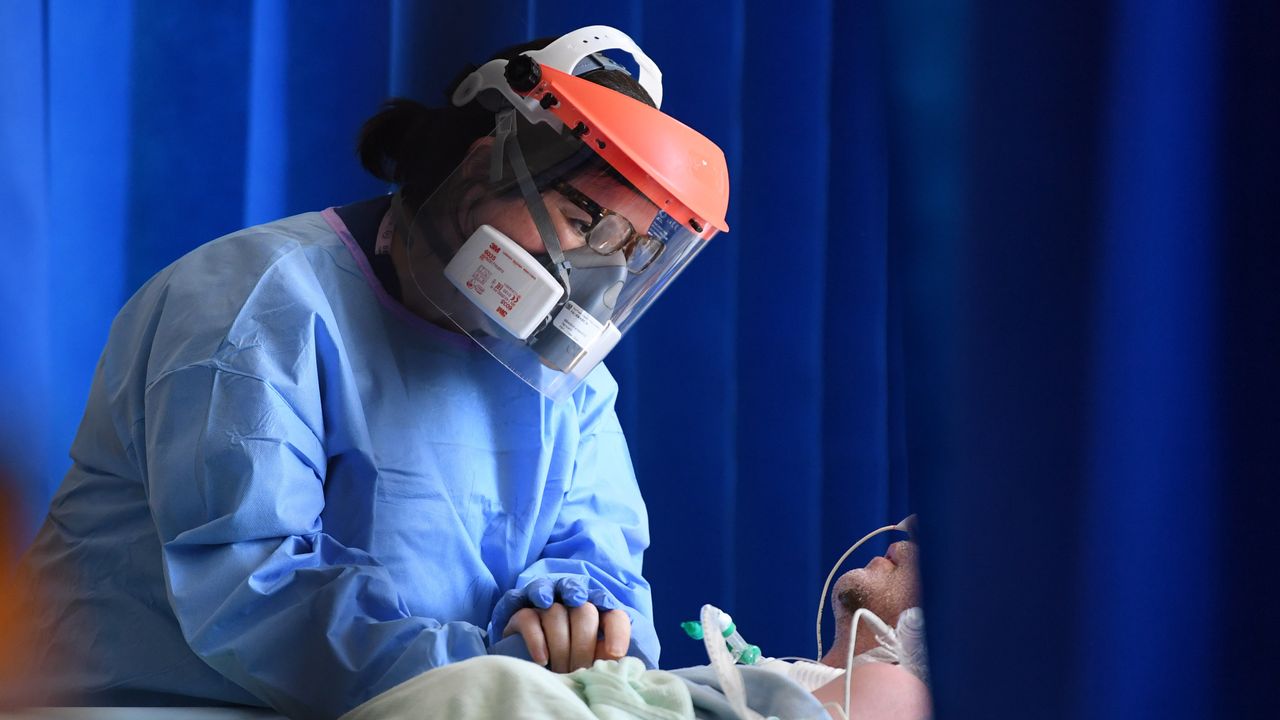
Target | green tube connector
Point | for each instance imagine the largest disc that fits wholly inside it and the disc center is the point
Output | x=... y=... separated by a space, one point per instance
x=750 y=655
x=692 y=628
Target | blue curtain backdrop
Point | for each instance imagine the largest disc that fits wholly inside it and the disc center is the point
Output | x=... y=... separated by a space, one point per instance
x=1085 y=237
x=1012 y=265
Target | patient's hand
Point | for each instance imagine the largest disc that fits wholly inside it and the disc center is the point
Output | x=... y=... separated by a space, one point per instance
x=566 y=639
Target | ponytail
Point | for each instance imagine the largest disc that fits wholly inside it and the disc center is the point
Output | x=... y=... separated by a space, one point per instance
x=414 y=146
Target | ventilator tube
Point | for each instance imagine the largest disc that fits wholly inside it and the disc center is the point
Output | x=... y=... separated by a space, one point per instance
x=741 y=650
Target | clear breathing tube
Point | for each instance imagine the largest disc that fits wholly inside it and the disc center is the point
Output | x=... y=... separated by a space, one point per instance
x=739 y=649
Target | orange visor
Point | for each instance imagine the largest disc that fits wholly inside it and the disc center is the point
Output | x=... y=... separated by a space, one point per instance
x=675 y=166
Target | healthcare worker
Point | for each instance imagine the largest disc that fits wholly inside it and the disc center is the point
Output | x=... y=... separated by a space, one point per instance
x=302 y=478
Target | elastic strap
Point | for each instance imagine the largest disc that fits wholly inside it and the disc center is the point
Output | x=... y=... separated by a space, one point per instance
x=537 y=208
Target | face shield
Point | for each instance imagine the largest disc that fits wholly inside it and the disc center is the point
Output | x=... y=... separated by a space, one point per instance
x=556 y=233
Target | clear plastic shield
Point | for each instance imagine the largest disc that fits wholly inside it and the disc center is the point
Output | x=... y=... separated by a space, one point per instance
x=541 y=252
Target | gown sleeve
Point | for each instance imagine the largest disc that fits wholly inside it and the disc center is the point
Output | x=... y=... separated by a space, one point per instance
x=600 y=535
x=235 y=478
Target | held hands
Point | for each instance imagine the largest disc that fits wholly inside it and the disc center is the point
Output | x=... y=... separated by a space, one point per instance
x=567 y=627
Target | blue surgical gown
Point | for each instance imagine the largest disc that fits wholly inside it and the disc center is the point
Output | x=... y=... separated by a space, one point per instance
x=289 y=491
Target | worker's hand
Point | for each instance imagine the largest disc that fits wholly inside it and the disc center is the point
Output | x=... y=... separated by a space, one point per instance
x=568 y=626
x=566 y=639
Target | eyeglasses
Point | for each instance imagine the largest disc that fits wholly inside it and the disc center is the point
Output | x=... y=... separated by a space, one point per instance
x=610 y=232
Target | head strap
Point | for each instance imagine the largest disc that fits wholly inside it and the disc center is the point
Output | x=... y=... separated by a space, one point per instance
x=566 y=54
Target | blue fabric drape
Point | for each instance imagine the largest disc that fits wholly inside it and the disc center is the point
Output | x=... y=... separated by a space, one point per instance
x=25 y=364
x=1084 y=214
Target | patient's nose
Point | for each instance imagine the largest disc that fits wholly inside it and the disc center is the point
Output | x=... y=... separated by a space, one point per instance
x=903 y=551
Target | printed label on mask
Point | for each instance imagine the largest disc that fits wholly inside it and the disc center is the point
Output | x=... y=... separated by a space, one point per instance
x=577 y=324
x=504 y=280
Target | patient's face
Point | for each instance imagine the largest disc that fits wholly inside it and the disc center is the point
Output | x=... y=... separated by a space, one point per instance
x=887 y=585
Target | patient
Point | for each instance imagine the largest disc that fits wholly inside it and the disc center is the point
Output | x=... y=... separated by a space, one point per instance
x=888 y=585
x=886 y=682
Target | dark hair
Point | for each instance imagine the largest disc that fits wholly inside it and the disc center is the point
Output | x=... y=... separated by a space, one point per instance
x=416 y=146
